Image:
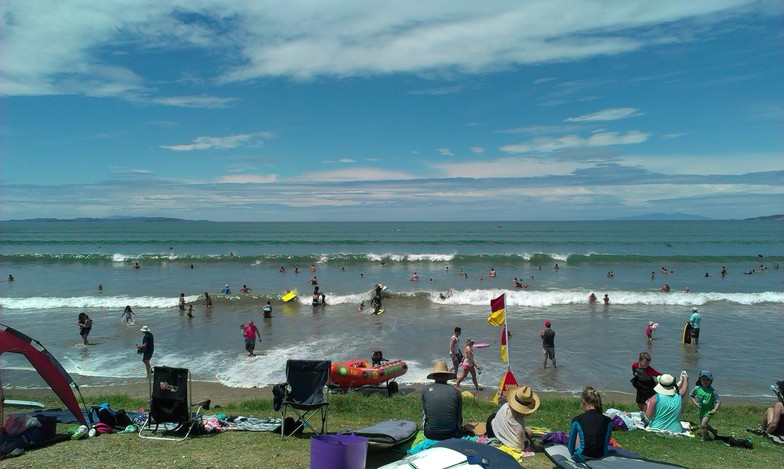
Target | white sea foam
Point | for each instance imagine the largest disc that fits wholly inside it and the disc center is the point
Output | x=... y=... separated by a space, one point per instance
x=107 y=302
x=430 y=257
x=565 y=297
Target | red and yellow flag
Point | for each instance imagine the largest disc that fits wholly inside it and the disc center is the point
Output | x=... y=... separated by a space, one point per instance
x=497 y=315
x=503 y=345
x=506 y=381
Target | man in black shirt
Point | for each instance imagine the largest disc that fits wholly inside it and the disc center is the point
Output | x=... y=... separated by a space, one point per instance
x=548 y=344
x=442 y=405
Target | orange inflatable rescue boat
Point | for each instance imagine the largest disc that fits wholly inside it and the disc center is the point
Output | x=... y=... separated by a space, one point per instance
x=358 y=373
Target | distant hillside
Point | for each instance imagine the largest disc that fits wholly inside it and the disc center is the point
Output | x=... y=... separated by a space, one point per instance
x=108 y=219
x=664 y=216
x=769 y=217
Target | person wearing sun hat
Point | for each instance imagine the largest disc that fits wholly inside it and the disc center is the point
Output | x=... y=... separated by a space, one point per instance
x=146 y=348
x=508 y=422
x=442 y=405
x=663 y=410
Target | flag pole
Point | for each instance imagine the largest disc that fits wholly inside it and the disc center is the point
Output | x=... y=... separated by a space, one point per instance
x=506 y=336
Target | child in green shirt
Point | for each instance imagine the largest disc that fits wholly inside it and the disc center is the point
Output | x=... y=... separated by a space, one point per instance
x=706 y=399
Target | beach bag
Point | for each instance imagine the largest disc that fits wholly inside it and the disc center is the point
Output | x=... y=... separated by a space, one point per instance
x=113 y=418
x=339 y=451
x=278 y=393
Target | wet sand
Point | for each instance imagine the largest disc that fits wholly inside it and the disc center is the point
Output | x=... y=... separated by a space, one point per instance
x=222 y=395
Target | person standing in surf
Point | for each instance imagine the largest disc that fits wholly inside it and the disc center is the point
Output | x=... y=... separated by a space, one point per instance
x=85 y=326
x=548 y=344
x=146 y=348
x=694 y=320
x=128 y=314
x=250 y=332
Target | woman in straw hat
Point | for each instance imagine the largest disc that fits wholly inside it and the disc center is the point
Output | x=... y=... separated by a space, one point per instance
x=664 y=408
x=508 y=423
x=442 y=405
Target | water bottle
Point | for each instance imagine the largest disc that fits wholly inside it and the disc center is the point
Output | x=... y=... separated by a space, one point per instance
x=93 y=432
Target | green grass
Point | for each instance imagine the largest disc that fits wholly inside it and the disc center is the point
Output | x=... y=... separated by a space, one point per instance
x=355 y=410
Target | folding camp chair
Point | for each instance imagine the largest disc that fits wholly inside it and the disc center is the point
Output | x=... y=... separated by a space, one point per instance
x=170 y=406
x=304 y=394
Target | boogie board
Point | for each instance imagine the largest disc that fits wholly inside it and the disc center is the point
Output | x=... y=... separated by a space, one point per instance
x=482 y=345
x=687 y=333
x=15 y=403
x=619 y=458
x=289 y=296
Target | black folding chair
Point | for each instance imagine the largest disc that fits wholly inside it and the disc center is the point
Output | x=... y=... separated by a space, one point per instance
x=171 y=411
x=305 y=394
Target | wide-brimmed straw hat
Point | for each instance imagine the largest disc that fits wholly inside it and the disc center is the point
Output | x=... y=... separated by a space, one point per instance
x=666 y=385
x=145 y=329
x=522 y=399
x=440 y=369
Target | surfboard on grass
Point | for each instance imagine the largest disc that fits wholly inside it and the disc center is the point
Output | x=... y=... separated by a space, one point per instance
x=17 y=403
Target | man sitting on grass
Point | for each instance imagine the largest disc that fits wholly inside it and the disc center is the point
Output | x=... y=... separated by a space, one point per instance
x=442 y=405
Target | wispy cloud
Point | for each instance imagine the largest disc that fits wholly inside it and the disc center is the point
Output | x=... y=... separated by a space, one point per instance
x=221 y=143
x=247 y=179
x=443 y=151
x=302 y=40
x=204 y=102
x=612 y=114
x=550 y=144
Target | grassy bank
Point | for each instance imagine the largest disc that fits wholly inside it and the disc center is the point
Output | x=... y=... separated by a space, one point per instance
x=355 y=410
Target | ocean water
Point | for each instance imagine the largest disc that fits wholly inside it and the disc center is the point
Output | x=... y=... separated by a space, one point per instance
x=57 y=267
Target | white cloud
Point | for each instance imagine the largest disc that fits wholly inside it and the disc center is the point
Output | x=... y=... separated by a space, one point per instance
x=601 y=139
x=55 y=47
x=354 y=174
x=443 y=151
x=347 y=160
x=477 y=150
x=512 y=167
x=248 y=179
x=607 y=115
x=204 y=102
x=221 y=143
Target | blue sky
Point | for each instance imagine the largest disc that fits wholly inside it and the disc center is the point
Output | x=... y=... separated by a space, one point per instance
x=248 y=110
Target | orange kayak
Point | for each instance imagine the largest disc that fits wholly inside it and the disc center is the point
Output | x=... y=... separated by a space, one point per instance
x=358 y=373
